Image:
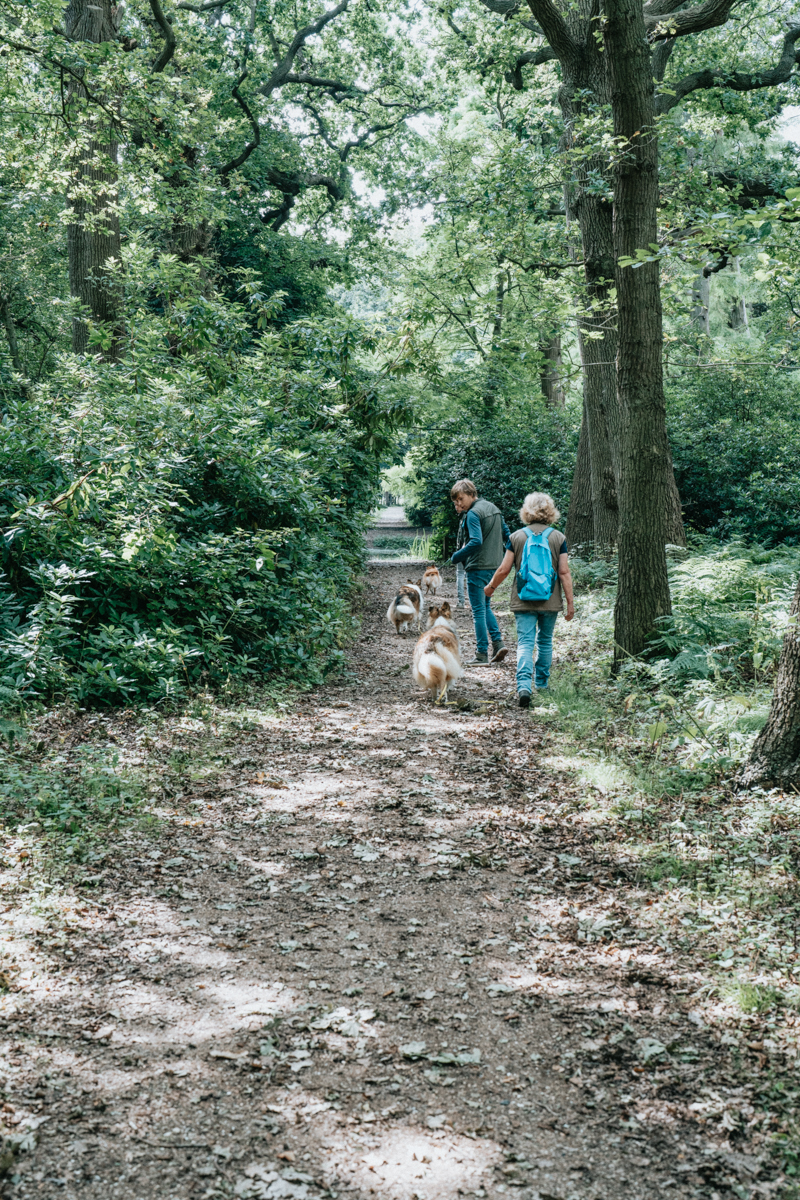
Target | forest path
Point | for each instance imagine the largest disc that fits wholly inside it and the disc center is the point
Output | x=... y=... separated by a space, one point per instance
x=360 y=957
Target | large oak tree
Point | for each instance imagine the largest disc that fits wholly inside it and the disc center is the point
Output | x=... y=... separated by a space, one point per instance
x=604 y=65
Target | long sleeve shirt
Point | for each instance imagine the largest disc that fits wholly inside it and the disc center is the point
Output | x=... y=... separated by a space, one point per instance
x=475 y=537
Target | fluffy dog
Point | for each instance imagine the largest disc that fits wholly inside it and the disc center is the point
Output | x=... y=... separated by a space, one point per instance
x=405 y=609
x=437 y=654
x=431 y=580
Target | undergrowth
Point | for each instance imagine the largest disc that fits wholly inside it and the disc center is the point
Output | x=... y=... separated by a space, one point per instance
x=654 y=755
x=177 y=523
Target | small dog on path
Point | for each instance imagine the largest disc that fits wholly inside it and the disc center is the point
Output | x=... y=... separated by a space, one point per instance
x=405 y=609
x=431 y=580
x=437 y=654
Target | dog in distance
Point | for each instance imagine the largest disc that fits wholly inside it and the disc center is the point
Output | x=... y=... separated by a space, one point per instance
x=405 y=609
x=431 y=580
x=437 y=654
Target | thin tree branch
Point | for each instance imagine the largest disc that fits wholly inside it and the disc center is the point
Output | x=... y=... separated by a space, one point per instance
x=330 y=85
x=531 y=58
x=658 y=8
x=546 y=266
x=503 y=8
x=660 y=57
x=291 y=186
x=688 y=20
x=555 y=29
x=254 y=142
x=62 y=66
x=201 y=8
x=282 y=69
x=736 y=81
x=471 y=334
x=170 y=41
x=748 y=191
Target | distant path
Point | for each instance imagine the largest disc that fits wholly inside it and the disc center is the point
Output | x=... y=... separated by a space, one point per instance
x=390 y=525
x=352 y=960
x=394 y=516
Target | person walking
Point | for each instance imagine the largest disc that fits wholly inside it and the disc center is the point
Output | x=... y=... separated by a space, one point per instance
x=481 y=554
x=536 y=619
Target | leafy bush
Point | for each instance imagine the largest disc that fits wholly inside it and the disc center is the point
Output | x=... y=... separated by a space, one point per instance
x=89 y=791
x=506 y=459
x=735 y=439
x=730 y=608
x=177 y=520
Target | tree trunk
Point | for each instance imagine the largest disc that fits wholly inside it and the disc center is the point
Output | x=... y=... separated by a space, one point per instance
x=775 y=757
x=643 y=593
x=587 y=81
x=550 y=376
x=93 y=236
x=580 y=518
x=701 y=298
x=737 y=317
x=11 y=334
x=596 y=326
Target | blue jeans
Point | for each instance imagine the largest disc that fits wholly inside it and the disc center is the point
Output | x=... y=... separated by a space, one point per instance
x=460 y=573
x=534 y=644
x=482 y=615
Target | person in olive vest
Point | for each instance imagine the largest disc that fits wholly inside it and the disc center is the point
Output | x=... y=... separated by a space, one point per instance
x=487 y=534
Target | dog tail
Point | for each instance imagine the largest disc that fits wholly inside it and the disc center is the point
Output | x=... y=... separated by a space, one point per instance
x=431 y=671
x=405 y=609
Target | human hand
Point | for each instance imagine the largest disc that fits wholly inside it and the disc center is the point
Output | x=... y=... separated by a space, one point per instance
x=488 y=591
x=570 y=613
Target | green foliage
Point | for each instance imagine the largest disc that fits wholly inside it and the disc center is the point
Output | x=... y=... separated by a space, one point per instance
x=92 y=791
x=506 y=458
x=730 y=607
x=735 y=439
x=172 y=522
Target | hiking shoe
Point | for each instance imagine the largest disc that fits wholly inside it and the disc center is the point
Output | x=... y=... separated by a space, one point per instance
x=480 y=660
x=524 y=699
x=461 y=605
x=499 y=651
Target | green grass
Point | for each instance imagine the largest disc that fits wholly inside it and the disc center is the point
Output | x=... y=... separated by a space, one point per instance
x=756 y=998
x=422 y=547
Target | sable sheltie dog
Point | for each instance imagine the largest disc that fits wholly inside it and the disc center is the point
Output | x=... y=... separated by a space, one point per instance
x=437 y=655
x=431 y=580
x=405 y=609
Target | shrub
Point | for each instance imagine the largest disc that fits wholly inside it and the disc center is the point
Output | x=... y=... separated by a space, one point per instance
x=168 y=526
x=506 y=459
x=729 y=612
x=735 y=439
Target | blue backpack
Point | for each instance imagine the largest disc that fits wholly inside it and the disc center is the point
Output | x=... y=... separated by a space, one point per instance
x=536 y=577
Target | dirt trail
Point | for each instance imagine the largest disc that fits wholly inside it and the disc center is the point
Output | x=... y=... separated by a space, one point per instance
x=373 y=965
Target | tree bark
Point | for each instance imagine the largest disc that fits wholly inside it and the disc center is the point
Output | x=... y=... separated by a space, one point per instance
x=11 y=334
x=585 y=76
x=643 y=592
x=580 y=518
x=550 y=376
x=701 y=299
x=586 y=79
x=737 y=317
x=93 y=235
x=775 y=757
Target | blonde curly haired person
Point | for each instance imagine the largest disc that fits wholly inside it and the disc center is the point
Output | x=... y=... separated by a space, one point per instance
x=536 y=619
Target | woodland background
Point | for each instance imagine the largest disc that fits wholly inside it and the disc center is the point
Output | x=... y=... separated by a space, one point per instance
x=254 y=254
